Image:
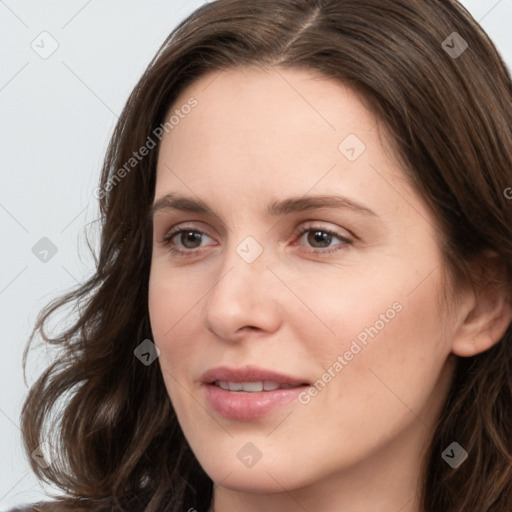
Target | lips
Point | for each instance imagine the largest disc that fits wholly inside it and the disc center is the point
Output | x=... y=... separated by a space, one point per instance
x=249 y=393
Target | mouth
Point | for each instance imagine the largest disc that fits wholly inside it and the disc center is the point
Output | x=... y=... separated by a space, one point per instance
x=253 y=387
x=249 y=393
x=250 y=379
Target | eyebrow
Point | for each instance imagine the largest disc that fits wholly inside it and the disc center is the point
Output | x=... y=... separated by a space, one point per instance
x=277 y=208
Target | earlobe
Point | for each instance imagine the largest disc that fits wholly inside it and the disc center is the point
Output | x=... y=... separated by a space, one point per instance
x=489 y=315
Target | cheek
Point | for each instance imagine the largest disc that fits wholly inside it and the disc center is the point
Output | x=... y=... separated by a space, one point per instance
x=376 y=326
x=168 y=318
x=352 y=307
x=173 y=302
x=175 y=314
x=393 y=352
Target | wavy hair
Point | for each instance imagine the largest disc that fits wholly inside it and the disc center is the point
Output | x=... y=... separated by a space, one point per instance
x=116 y=438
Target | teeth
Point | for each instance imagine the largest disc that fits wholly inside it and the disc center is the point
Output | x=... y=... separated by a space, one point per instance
x=252 y=387
x=268 y=385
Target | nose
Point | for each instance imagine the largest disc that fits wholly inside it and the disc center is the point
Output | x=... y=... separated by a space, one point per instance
x=245 y=297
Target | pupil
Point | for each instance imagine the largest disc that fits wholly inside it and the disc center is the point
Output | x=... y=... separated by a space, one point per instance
x=190 y=236
x=320 y=237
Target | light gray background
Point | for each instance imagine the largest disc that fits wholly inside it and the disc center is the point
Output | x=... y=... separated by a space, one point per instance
x=56 y=115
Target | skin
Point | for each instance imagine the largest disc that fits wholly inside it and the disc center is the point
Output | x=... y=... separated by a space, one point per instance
x=260 y=136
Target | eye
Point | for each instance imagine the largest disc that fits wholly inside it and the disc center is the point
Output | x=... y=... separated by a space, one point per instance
x=320 y=239
x=184 y=240
x=187 y=241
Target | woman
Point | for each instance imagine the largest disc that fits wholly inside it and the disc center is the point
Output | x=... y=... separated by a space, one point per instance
x=302 y=298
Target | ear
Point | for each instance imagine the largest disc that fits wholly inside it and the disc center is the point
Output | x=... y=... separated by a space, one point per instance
x=486 y=310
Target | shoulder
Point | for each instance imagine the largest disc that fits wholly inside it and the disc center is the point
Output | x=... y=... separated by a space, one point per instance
x=59 y=506
x=47 y=506
x=41 y=506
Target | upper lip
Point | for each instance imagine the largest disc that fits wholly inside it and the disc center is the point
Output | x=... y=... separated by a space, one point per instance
x=249 y=374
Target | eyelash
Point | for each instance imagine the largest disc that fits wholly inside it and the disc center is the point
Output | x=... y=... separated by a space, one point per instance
x=167 y=241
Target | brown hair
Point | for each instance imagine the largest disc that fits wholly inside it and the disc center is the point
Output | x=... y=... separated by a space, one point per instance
x=117 y=439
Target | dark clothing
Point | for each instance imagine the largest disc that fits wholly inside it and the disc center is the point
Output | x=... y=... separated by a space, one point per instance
x=41 y=506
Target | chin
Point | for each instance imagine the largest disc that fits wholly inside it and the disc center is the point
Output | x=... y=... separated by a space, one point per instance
x=260 y=479
x=230 y=466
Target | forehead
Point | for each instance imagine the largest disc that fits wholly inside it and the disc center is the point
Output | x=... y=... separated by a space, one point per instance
x=268 y=102
x=283 y=125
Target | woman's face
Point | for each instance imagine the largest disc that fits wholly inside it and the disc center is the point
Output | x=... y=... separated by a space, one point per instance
x=307 y=261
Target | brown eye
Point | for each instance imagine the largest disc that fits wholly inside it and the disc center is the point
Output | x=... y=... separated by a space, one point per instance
x=322 y=238
x=323 y=241
x=190 y=239
x=184 y=241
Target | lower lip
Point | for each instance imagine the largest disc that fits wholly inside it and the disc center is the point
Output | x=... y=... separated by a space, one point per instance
x=249 y=406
